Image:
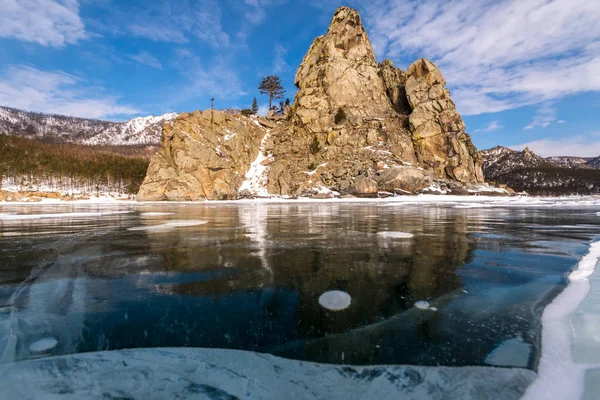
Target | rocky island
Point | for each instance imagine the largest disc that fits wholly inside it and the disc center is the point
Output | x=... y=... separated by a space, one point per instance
x=355 y=127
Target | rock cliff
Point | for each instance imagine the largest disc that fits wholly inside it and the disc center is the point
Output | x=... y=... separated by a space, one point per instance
x=203 y=155
x=355 y=127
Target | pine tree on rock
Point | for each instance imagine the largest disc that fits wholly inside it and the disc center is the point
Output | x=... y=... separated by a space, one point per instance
x=255 y=106
x=271 y=85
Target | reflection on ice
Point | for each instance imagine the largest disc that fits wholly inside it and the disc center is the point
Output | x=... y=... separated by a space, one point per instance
x=395 y=235
x=265 y=279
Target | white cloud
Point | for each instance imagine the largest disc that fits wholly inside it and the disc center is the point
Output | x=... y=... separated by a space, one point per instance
x=492 y=126
x=45 y=22
x=143 y=57
x=156 y=33
x=180 y=22
x=496 y=55
x=580 y=146
x=544 y=116
x=562 y=121
x=279 y=63
x=56 y=93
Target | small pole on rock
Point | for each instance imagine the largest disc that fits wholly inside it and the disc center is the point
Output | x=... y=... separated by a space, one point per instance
x=212 y=112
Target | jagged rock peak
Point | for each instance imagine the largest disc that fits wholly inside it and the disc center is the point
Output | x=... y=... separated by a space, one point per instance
x=339 y=71
x=348 y=29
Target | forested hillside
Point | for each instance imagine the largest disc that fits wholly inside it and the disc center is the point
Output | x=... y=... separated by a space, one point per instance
x=32 y=165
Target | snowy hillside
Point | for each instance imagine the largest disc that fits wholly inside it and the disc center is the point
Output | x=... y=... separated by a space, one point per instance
x=572 y=162
x=63 y=129
x=501 y=160
x=526 y=171
x=141 y=130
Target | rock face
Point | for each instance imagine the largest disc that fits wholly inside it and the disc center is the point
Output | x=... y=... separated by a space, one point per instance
x=437 y=129
x=204 y=155
x=355 y=127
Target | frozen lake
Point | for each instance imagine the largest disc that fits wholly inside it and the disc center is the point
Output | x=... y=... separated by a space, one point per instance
x=427 y=292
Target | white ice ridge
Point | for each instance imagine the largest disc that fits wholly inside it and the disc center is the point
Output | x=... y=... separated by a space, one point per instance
x=559 y=377
x=231 y=374
x=256 y=178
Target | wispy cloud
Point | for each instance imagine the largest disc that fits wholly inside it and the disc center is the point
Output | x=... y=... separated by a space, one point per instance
x=279 y=63
x=256 y=10
x=580 y=146
x=544 y=116
x=167 y=21
x=492 y=126
x=45 y=22
x=57 y=93
x=143 y=57
x=497 y=55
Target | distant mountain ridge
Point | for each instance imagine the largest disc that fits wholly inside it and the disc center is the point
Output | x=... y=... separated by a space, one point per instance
x=64 y=129
x=529 y=172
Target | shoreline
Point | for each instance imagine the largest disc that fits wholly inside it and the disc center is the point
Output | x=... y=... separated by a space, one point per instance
x=580 y=200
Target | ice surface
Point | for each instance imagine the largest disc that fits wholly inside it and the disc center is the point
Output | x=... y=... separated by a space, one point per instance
x=156 y=214
x=168 y=225
x=559 y=376
x=14 y=217
x=422 y=305
x=586 y=325
x=231 y=374
x=395 y=235
x=513 y=352
x=43 y=345
x=335 y=300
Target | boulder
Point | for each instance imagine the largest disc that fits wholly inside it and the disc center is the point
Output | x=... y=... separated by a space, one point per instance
x=403 y=180
x=365 y=187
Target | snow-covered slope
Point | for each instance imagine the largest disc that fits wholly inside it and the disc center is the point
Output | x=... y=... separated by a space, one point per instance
x=593 y=163
x=526 y=171
x=63 y=129
x=571 y=162
x=141 y=130
x=501 y=160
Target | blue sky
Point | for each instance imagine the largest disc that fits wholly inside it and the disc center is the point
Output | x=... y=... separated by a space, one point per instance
x=521 y=72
